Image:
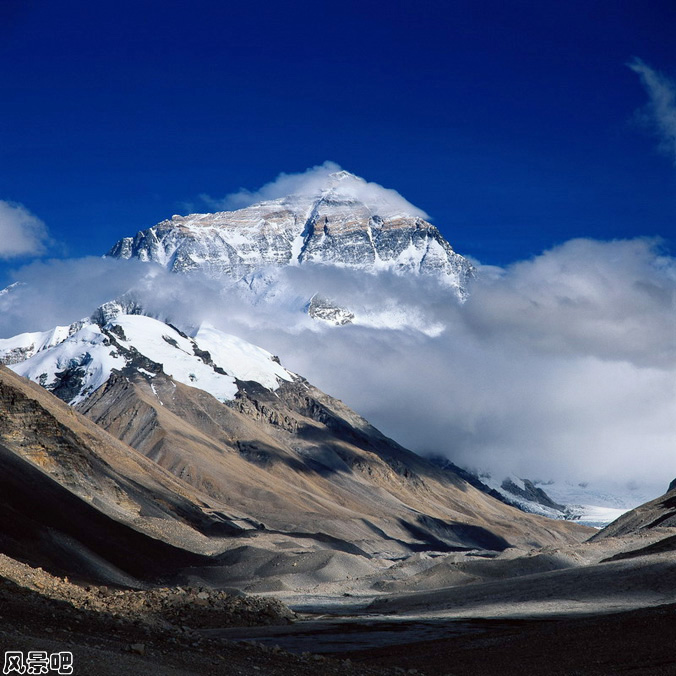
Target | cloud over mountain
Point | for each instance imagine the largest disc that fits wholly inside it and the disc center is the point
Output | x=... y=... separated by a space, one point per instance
x=561 y=366
x=312 y=182
x=21 y=232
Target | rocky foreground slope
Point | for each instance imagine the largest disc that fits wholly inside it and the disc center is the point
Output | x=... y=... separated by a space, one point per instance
x=114 y=632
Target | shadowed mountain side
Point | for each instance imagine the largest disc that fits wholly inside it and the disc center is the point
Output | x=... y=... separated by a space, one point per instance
x=46 y=525
x=76 y=498
x=659 y=512
x=303 y=463
x=666 y=545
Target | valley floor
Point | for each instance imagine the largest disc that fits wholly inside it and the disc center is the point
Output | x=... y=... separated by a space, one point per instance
x=595 y=618
x=637 y=642
x=640 y=643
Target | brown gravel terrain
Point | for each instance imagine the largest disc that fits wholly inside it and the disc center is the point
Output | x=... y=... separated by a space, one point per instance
x=124 y=633
x=158 y=549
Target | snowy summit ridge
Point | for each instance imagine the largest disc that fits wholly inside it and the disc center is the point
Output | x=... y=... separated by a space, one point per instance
x=74 y=361
x=339 y=220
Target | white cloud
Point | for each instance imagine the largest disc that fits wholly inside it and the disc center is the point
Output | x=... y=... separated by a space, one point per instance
x=58 y=292
x=661 y=109
x=608 y=300
x=21 y=232
x=560 y=367
x=313 y=181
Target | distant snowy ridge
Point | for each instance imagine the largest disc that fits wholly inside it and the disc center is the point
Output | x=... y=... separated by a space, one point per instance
x=586 y=503
x=73 y=362
x=343 y=223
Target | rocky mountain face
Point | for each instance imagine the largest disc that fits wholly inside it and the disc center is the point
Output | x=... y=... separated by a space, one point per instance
x=531 y=493
x=298 y=461
x=325 y=310
x=220 y=452
x=335 y=225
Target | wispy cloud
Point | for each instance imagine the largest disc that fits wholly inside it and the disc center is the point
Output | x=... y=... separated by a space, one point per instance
x=21 y=232
x=313 y=181
x=47 y=293
x=660 y=112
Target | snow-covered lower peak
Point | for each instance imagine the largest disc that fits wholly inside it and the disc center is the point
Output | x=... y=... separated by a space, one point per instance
x=343 y=223
x=74 y=367
x=75 y=361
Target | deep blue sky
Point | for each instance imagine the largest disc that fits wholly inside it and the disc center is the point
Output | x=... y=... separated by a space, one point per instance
x=510 y=123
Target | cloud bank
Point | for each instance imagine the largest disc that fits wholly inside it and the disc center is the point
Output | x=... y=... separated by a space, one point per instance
x=21 y=232
x=313 y=182
x=563 y=366
x=660 y=113
x=50 y=293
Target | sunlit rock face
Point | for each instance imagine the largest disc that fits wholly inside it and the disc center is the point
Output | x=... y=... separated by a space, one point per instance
x=345 y=222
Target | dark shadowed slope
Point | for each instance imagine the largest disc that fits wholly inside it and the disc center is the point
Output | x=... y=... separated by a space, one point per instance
x=659 y=512
x=77 y=500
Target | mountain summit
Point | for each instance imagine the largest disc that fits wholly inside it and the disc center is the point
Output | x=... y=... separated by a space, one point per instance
x=341 y=220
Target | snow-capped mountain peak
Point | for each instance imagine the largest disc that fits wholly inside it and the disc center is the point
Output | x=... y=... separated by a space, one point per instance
x=344 y=175
x=74 y=361
x=338 y=220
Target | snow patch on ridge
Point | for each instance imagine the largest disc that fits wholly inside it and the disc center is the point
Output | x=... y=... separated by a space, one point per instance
x=162 y=344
